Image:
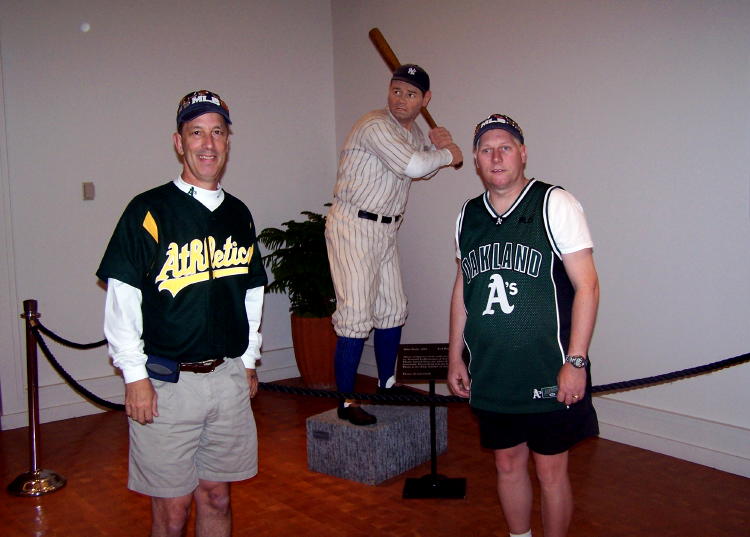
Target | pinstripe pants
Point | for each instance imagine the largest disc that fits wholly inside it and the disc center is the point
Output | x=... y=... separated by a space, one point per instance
x=364 y=261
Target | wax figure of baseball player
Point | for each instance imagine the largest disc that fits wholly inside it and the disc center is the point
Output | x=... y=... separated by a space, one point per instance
x=184 y=300
x=524 y=304
x=383 y=153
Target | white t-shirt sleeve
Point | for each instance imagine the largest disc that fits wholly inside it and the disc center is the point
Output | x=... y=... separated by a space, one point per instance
x=567 y=222
x=458 y=230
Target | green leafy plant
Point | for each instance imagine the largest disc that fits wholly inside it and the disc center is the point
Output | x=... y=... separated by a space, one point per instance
x=298 y=259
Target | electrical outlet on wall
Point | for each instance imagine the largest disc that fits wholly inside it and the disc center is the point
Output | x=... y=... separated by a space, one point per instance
x=88 y=191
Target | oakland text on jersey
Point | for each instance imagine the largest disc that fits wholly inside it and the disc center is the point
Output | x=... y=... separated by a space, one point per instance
x=188 y=264
x=497 y=256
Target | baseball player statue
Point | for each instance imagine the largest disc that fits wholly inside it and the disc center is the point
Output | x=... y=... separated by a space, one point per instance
x=383 y=153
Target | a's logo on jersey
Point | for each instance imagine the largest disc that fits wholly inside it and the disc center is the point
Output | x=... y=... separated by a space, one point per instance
x=544 y=393
x=188 y=264
x=498 y=296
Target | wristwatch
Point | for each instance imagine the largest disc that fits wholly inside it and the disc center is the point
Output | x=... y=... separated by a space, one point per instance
x=577 y=361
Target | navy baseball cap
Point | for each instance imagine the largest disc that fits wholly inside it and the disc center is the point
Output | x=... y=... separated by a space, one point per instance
x=497 y=121
x=414 y=75
x=201 y=102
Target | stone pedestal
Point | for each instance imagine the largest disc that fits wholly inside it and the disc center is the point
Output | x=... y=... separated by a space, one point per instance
x=398 y=442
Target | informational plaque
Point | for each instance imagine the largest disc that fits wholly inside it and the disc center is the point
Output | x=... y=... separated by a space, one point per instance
x=422 y=361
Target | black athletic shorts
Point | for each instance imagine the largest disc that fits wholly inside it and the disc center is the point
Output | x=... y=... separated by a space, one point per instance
x=546 y=433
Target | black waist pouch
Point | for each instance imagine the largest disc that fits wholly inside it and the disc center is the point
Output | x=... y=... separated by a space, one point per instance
x=160 y=368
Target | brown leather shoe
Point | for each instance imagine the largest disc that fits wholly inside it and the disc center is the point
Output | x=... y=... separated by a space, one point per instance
x=356 y=415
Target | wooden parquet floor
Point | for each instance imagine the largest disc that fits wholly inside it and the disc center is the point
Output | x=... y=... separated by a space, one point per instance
x=620 y=491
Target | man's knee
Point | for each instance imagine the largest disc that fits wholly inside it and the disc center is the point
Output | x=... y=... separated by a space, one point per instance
x=171 y=514
x=213 y=496
x=551 y=469
x=512 y=461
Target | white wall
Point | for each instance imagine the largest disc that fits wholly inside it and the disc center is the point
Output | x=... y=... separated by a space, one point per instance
x=640 y=109
x=100 y=106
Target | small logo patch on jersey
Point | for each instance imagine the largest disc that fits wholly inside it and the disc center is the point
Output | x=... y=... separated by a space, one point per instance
x=544 y=393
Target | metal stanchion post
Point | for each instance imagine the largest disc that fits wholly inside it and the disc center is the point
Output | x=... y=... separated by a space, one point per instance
x=36 y=481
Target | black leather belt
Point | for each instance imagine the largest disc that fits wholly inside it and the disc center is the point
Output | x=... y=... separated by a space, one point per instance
x=378 y=218
x=201 y=367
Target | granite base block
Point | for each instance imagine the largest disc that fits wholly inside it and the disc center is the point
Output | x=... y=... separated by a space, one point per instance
x=371 y=454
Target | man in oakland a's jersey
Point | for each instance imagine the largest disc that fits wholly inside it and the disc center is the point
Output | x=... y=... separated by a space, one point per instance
x=524 y=305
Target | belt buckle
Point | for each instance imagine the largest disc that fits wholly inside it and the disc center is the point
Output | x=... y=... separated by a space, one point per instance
x=211 y=365
x=206 y=366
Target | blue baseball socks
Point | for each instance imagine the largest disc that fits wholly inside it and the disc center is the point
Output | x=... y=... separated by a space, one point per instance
x=387 y=341
x=346 y=361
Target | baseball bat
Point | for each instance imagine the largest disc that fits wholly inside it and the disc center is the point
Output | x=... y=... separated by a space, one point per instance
x=390 y=59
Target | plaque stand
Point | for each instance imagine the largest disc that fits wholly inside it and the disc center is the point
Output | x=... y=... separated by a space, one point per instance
x=434 y=485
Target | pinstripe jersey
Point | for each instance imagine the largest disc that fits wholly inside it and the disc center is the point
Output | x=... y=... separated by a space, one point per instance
x=372 y=163
x=518 y=301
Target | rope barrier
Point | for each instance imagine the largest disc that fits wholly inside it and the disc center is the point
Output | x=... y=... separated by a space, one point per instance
x=38 y=481
x=83 y=346
x=37 y=327
x=68 y=378
x=668 y=377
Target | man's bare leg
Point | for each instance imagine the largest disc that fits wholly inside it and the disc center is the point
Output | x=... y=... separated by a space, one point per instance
x=557 y=495
x=169 y=515
x=213 y=509
x=514 y=486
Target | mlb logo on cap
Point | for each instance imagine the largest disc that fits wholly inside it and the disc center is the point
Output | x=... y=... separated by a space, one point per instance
x=198 y=103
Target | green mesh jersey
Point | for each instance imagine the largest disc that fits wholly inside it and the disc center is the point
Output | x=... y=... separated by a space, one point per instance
x=518 y=301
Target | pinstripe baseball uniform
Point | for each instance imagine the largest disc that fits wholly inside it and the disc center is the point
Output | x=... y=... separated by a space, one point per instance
x=369 y=200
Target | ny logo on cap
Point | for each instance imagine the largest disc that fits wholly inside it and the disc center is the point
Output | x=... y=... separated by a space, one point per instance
x=412 y=71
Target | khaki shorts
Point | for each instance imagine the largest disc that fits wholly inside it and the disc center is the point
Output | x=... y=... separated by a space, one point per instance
x=205 y=430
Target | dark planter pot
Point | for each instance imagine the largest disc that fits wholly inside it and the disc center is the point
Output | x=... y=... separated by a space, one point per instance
x=314 y=346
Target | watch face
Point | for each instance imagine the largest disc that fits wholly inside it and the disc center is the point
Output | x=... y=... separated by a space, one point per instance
x=577 y=361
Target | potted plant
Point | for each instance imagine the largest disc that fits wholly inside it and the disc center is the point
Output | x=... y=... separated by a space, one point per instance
x=298 y=260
